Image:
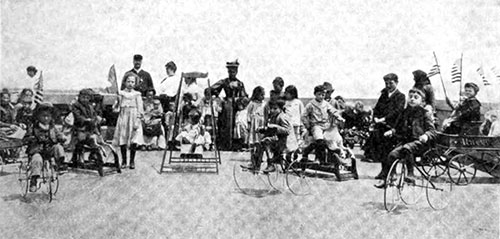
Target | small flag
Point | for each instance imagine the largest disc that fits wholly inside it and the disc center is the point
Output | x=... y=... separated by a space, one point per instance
x=433 y=71
x=39 y=89
x=496 y=73
x=480 y=71
x=456 y=71
x=112 y=79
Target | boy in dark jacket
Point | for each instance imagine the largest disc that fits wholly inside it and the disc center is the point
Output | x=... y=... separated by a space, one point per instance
x=465 y=112
x=279 y=137
x=413 y=129
x=86 y=130
x=44 y=142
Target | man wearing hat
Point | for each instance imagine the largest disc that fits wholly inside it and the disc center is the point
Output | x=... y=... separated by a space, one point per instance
x=234 y=89
x=389 y=106
x=144 y=81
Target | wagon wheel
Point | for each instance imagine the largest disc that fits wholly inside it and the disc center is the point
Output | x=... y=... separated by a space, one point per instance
x=461 y=169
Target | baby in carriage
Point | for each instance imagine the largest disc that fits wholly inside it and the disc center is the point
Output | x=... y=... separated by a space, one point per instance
x=194 y=134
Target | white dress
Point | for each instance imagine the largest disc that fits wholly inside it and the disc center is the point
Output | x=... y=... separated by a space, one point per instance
x=128 y=126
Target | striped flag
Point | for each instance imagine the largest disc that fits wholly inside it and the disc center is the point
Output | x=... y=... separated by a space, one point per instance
x=433 y=71
x=480 y=71
x=456 y=71
x=496 y=73
x=112 y=79
x=39 y=89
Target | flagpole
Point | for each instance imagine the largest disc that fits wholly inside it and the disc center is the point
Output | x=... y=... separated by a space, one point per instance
x=461 y=76
x=440 y=76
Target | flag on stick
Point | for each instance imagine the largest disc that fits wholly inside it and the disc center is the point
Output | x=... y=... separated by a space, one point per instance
x=456 y=71
x=480 y=71
x=39 y=89
x=496 y=72
x=112 y=79
x=433 y=71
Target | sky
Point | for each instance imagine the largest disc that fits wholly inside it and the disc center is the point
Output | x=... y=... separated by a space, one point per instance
x=351 y=44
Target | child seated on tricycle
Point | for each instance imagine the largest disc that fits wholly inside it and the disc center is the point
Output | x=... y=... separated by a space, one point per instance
x=44 y=143
x=279 y=137
x=85 y=126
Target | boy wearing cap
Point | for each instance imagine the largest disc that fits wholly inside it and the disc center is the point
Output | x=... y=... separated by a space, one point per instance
x=86 y=124
x=467 y=111
x=414 y=128
x=316 y=120
x=144 y=81
x=44 y=142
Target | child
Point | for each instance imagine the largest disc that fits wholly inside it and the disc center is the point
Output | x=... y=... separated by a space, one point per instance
x=208 y=119
x=414 y=128
x=194 y=133
x=256 y=115
x=467 y=111
x=153 y=137
x=276 y=92
x=294 y=109
x=44 y=142
x=337 y=152
x=7 y=111
x=279 y=137
x=169 y=122
x=241 y=124
x=495 y=126
x=316 y=121
x=85 y=126
x=24 y=112
x=128 y=126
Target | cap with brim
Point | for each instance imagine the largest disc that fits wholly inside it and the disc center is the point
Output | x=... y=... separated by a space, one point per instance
x=473 y=86
x=137 y=57
x=234 y=64
x=328 y=87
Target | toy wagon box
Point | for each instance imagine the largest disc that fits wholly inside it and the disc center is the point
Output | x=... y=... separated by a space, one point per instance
x=468 y=141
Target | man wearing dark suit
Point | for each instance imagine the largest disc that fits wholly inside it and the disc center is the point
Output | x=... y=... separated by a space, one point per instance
x=387 y=110
x=144 y=80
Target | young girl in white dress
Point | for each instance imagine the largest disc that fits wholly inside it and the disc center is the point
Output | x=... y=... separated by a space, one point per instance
x=128 y=129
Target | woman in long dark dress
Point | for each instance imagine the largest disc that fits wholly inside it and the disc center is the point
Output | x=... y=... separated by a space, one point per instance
x=234 y=89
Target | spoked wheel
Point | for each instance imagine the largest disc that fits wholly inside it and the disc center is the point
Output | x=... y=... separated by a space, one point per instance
x=461 y=169
x=298 y=180
x=23 y=178
x=110 y=155
x=275 y=178
x=438 y=191
x=412 y=189
x=393 y=183
x=436 y=165
x=51 y=180
x=251 y=182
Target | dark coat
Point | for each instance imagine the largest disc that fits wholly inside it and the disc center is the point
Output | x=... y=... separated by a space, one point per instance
x=413 y=123
x=40 y=140
x=224 y=84
x=82 y=112
x=143 y=83
x=389 y=107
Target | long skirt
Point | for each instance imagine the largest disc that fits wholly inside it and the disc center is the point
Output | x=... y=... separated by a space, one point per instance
x=125 y=134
